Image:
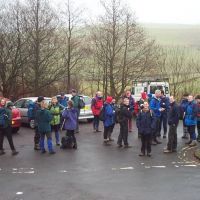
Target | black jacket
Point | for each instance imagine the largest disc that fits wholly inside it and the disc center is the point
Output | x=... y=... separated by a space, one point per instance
x=173 y=115
x=124 y=114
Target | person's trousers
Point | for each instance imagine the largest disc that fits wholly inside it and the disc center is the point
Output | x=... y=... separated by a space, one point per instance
x=77 y=126
x=111 y=131
x=198 y=129
x=123 y=135
x=107 y=132
x=146 y=143
x=185 y=129
x=8 y=133
x=36 y=137
x=55 y=128
x=157 y=128
x=70 y=133
x=163 y=122
x=130 y=125
x=96 y=122
x=172 y=138
x=49 y=141
x=191 y=131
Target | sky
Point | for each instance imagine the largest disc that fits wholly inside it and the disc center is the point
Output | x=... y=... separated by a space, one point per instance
x=152 y=11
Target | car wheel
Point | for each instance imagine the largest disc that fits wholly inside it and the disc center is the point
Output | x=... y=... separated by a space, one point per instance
x=32 y=124
x=15 y=129
x=90 y=120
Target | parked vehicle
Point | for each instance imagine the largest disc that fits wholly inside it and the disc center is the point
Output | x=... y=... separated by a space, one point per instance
x=86 y=112
x=149 y=86
x=16 y=118
x=22 y=104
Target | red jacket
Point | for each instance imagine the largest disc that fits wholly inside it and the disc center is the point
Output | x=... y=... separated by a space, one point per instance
x=96 y=106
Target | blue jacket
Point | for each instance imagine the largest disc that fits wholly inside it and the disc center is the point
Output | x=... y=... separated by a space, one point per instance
x=109 y=114
x=44 y=117
x=63 y=101
x=146 y=122
x=191 y=114
x=70 y=116
x=155 y=106
x=173 y=115
x=164 y=103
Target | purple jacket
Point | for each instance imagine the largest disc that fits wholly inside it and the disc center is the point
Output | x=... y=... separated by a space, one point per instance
x=70 y=116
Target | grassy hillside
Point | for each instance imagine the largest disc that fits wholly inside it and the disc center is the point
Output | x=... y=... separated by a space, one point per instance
x=166 y=34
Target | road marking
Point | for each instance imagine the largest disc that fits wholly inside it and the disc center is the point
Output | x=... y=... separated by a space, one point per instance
x=158 y=166
x=19 y=193
x=124 y=168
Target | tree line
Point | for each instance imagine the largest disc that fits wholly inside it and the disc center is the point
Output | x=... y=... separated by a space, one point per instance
x=45 y=50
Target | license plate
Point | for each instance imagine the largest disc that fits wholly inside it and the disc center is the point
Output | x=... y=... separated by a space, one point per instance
x=87 y=108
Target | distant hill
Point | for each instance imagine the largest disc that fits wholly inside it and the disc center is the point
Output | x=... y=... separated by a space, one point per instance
x=168 y=34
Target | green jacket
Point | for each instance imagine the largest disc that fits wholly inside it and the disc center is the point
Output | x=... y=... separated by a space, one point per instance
x=44 y=118
x=55 y=110
x=75 y=100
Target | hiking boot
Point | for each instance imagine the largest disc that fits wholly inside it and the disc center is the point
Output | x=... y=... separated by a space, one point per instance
x=2 y=152
x=193 y=143
x=75 y=146
x=184 y=137
x=111 y=140
x=127 y=146
x=52 y=152
x=164 y=136
x=153 y=143
x=159 y=135
x=120 y=145
x=43 y=151
x=142 y=154
x=189 y=142
x=36 y=147
x=174 y=150
x=158 y=142
x=149 y=154
x=98 y=131
x=167 y=151
x=14 y=152
x=58 y=144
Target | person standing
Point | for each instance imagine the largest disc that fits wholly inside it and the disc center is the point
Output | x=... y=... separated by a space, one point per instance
x=131 y=109
x=108 y=119
x=183 y=106
x=173 y=120
x=55 y=109
x=96 y=106
x=124 y=116
x=32 y=109
x=44 y=118
x=164 y=103
x=70 y=116
x=155 y=107
x=146 y=123
x=76 y=99
x=5 y=126
x=191 y=120
x=198 y=117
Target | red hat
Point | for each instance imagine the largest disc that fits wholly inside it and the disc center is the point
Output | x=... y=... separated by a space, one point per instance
x=109 y=99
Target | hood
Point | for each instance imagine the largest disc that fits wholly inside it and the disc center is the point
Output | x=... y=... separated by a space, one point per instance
x=109 y=99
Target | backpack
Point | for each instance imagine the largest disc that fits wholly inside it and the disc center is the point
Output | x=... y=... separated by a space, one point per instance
x=31 y=111
x=66 y=142
x=2 y=117
x=102 y=114
x=81 y=103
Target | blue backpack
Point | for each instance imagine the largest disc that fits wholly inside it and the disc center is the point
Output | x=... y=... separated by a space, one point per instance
x=2 y=117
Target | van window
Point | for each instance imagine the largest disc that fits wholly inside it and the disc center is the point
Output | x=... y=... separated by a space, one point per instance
x=154 y=88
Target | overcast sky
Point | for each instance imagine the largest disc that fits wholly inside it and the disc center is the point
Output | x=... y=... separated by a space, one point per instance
x=153 y=11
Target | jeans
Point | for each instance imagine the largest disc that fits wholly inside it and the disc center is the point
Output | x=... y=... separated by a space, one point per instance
x=163 y=122
x=157 y=128
x=49 y=141
x=191 y=131
x=36 y=137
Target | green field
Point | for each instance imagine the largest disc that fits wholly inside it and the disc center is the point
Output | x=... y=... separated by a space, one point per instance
x=173 y=35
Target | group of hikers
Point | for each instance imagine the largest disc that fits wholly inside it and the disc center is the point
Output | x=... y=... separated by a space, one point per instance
x=153 y=113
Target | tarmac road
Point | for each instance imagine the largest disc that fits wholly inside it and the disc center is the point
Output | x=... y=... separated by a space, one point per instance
x=97 y=172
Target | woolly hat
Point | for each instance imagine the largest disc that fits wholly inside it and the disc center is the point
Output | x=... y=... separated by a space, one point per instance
x=40 y=99
x=109 y=99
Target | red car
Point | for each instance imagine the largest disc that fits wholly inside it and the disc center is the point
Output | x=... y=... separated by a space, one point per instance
x=16 y=118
